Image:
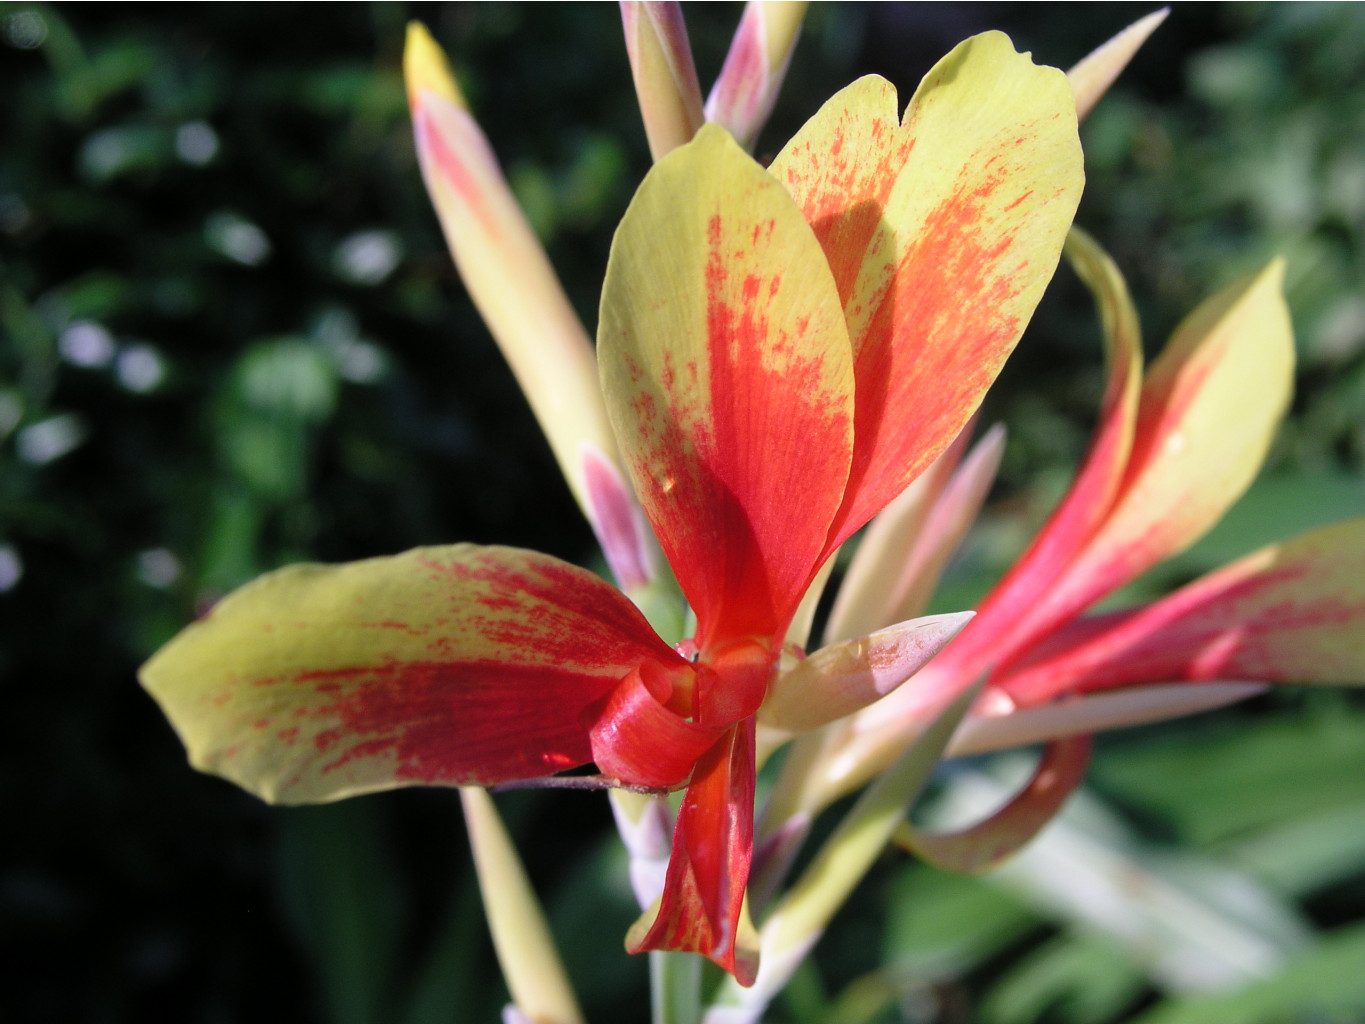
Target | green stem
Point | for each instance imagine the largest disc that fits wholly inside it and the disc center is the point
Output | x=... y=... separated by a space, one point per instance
x=675 y=987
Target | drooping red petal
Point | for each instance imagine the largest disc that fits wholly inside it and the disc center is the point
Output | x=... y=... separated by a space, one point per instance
x=441 y=666
x=1291 y=612
x=941 y=233
x=984 y=845
x=702 y=905
x=728 y=377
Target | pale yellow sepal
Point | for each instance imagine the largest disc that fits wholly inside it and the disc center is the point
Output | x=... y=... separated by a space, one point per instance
x=845 y=677
x=526 y=951
x=665 y=76
x=512 y=283
x=1098 y=712
x=1095 y=73
x=426 y=68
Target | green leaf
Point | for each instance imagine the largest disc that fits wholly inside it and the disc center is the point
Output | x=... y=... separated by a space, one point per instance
x=1325 y=984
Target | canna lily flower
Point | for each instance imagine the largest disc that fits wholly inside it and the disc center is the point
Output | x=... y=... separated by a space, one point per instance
x=781 y=353
x=1171 y=453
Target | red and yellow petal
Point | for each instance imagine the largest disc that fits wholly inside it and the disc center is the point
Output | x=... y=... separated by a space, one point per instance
x=1208 y=410
x=1290 y=612
x=728 y=377
x=442 y=666
x=941 y=231
x=1006 y=621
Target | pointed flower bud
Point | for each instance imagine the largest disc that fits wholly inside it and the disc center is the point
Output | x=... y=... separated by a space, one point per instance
x=744 y=94
x=665 y=76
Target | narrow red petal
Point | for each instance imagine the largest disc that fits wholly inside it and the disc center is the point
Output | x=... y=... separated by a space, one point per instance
x=1291 y=612
x=1004 y=624
x=709 y=870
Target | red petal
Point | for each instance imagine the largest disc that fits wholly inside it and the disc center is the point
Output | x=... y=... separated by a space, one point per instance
x=640 y=740
x=712 y=847
x=1004 y=624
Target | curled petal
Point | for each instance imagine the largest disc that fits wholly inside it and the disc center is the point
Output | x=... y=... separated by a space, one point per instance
x=843 y=678
x=725 y=363
x=442 y=666
x=942 y=232
x=638 y=739
x=1290 y=612
x=702 y=908
x=984 y=845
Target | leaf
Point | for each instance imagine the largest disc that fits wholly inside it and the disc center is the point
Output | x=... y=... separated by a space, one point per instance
x=1324 y=982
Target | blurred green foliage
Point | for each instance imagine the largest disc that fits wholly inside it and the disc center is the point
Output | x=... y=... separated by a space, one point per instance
x=230 y=338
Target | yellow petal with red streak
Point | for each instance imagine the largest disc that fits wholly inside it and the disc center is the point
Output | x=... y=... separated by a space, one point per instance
x=728 y=376
x=1208 y=411
x=942 y=232
x=441 y=666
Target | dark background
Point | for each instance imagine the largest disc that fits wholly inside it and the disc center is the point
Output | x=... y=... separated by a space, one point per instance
x=230 y=338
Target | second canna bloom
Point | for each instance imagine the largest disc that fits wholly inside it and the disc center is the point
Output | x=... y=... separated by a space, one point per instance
x=782 y=351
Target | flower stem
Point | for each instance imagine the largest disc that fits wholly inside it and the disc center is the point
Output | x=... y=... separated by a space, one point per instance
x=675 y=987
